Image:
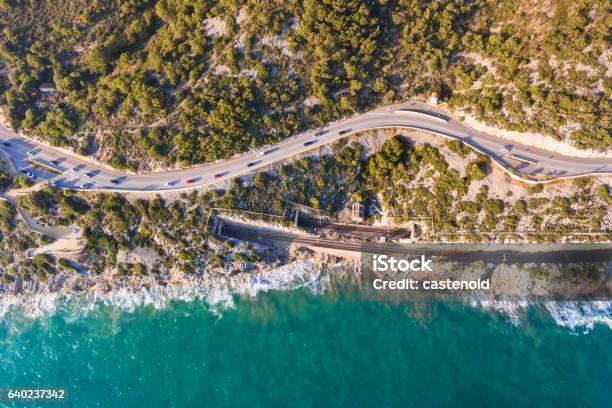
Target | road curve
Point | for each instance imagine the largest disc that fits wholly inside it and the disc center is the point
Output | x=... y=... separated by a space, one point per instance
x=74 y=172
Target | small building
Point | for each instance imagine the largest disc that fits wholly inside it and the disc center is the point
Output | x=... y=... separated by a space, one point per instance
x=47 y=87
x=357 y=212
x=433 y=98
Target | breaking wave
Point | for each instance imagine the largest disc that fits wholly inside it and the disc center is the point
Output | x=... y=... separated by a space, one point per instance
x=581 y=315
x=578 y=317
x=220 y=292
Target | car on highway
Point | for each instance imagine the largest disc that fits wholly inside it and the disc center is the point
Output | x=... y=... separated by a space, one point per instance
x=190 y=181
x=75 y=169
x=88 y=185
x=506 y=148
x=310 y=142
x=169 y=183
x=344 y=131
x=6 y=144
x=30 y=152
x=320 y=133
x=90 y=174
x=265 y=152
x=218 y=175
x=116 y=181
x=253 y=163
x=56 y=162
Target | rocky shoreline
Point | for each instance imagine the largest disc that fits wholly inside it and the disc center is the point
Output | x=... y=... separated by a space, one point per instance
x=217 y=286
x=319 y=273
x=508 y=281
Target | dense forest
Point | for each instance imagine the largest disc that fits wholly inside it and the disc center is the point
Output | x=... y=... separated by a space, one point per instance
x=143 y=83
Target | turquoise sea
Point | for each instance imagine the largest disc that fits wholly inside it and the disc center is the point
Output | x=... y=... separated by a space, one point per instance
x=305 y=349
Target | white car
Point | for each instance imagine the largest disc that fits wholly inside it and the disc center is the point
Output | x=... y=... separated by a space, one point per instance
x=30 y=153
x=506 y=148
x=260 y=154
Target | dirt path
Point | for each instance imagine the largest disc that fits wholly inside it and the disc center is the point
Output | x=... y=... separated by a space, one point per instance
x=68 y=239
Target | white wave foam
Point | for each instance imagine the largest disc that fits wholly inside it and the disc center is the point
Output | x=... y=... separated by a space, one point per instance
x=32 y=305
x=218 y=292
x=513 y=309
x=580 y=315
x=576 y=316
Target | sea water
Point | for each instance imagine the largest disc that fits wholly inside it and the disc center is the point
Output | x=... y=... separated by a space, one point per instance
x=311 y=348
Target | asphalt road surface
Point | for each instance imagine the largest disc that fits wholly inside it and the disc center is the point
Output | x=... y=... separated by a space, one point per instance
x=74 y=172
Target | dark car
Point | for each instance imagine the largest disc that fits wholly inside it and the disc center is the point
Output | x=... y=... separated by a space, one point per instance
x=56 y=162
x=6 y=144
x=251 y=164
x=29 y=173
x=320 y=133
x=90 y=174
x=342 y=132
x=310 y=142
x=115 y=181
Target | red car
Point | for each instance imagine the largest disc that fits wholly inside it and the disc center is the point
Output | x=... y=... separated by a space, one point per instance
x=218 y=175
x=190 y=181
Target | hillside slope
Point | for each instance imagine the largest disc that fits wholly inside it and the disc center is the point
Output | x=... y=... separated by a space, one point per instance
x=151 y=83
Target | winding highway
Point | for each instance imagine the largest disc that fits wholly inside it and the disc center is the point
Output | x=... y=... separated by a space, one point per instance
x=73 y=172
